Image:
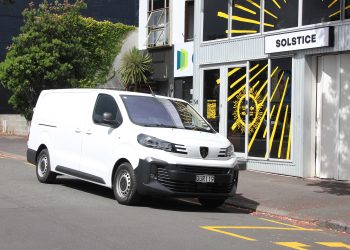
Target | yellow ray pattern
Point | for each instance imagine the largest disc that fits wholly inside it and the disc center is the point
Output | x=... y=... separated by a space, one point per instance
x=332 y=3
x=256 y=131
x=278 y=83
x=347 y=7
x=242 y=31
x=234 y=70
x=238 y=6
x=334 y=14
x=258 y=6
x=241 y=88
x=282 y=135
x=256 y=84
x=271 y=114
x=265 y=83
x=275 y=2
x=278 y=114
x=242 y=19
x=289 y=139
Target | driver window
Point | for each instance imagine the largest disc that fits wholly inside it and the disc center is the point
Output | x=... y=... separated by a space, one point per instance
x=106 y=104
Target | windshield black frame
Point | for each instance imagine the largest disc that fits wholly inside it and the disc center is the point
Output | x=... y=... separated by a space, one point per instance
x=170 y=113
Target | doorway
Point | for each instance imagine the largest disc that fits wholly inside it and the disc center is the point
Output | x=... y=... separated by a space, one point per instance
x=333 y=117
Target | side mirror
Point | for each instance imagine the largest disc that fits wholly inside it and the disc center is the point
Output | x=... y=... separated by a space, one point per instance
x=107 y=118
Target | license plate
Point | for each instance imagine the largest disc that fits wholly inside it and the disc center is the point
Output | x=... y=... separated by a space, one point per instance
x=205 y=178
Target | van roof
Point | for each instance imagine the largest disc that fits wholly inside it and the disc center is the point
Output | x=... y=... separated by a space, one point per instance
x=106 y=91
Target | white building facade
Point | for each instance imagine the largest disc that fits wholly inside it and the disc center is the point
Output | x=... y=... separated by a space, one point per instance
x=166 y=32
x=273 y=76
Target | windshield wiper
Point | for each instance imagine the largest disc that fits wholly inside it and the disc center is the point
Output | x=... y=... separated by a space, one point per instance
x=195 y=127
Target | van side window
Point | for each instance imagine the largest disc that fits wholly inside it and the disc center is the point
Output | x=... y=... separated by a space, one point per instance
x=106 y=104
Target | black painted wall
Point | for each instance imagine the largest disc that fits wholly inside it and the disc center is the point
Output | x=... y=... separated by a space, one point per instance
x=123 y=11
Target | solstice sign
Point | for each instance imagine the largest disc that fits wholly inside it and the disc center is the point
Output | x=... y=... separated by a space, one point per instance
x=307 y=39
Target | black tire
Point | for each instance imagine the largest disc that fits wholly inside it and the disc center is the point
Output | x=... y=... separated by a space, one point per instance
x=43 y=168
x=125 y=185
x=212 y=203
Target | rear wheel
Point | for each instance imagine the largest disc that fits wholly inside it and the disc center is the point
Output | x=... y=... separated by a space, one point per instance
x=211 y=203
x=125 y=186
x=43 y=168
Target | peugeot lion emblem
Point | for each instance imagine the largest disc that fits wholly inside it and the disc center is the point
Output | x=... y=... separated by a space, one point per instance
x=204 y=151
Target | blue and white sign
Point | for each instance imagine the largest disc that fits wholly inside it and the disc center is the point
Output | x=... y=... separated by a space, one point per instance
x=183 y=59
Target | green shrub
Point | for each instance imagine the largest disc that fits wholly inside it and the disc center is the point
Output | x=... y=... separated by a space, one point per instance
x=59 y=48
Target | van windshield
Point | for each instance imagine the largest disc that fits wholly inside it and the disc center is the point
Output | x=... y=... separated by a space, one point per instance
x=151 y=111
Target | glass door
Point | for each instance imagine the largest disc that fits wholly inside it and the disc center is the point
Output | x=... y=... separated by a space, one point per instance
x=237 y=107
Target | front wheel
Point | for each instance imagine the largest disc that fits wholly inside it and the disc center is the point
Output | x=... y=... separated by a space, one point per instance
x=212 y=203
x=125 y=186
x=43 y=168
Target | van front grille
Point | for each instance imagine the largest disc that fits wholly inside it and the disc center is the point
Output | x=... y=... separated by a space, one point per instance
x=192 y=187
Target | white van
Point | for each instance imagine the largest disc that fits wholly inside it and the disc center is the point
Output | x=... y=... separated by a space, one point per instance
x=137 y=144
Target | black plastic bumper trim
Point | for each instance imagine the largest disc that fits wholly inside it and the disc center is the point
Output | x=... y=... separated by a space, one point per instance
x=31 y=156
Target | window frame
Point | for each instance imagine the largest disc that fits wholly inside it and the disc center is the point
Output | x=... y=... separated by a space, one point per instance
x=299 y=27
x=117 y=108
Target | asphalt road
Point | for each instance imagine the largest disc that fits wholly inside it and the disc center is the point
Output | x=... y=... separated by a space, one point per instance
x=73 y=214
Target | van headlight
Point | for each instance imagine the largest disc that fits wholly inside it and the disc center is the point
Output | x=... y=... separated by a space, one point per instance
x=230 y=151
x=153 y=142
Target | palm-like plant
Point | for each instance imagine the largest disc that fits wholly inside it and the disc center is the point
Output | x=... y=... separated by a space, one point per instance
x=135 y=68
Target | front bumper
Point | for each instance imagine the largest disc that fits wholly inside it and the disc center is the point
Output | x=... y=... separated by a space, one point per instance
x=159 y=178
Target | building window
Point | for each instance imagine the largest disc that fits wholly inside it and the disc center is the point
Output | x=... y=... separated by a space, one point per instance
x=245 y=17
x=280 y=108
x=347 y=8
x=189 y=20
x=316 y=11
x=236 y=107
x=215 y=23
x=158 y=23
x=211 y=97
x=257 y=126
x=280 y=14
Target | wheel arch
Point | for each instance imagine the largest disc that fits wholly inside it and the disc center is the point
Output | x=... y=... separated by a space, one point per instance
x=116 y=166
x=41 y=147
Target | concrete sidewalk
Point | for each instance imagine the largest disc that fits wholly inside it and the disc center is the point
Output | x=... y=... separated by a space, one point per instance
x=324 y=202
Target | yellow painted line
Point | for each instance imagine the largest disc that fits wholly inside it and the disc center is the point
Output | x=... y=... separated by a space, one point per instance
x=271 y=114
x=332 y=3
x=334 y=14
x=267 y=228
x=211 y=228
x=282 y=135
x=238 y=6
x=265 y=83
x=237 y=81
x=240 y=79
x=289 y=138
x=256 y=131
x=278 y=83
x=334 y=244
x=248 y=20
x=284 y=224
x=278 y=114
x=294 y=245
x=275 y=2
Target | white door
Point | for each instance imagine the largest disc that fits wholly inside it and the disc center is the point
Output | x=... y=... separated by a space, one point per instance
x=333 y=117
x=68 y=138
x=100 y=141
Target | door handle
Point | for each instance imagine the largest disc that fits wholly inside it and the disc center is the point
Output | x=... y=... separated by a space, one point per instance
x=77 y=130
x=88 y=132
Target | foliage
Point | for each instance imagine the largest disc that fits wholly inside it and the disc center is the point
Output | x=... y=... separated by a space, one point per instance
x=58 y=48
x=135 y=68
x=7 y=1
